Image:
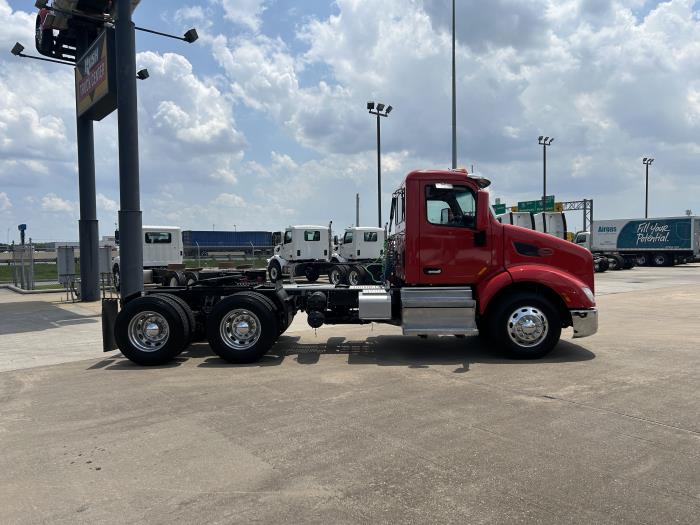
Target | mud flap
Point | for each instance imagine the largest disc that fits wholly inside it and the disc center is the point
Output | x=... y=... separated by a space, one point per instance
x=110 y=308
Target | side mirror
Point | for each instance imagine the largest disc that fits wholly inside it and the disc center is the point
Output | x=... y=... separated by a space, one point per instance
x=116 y=237
x=335 y=239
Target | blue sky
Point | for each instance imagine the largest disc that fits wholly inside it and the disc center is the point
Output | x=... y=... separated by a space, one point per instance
x=262 y=124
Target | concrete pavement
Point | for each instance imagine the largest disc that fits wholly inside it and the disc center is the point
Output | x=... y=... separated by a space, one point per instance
x=359 y=424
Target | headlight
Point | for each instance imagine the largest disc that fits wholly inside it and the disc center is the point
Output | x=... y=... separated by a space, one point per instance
x=587 y=291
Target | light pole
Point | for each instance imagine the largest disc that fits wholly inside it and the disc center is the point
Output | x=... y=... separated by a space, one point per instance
x=380 y=111
x=647 y=162
x=454 y=94
x=544 y=142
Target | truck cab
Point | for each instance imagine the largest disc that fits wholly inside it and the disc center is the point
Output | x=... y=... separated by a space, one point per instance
x=360 y=243
x=162 y=247
x=551 y=222
x=300 y=245
x=524 y=219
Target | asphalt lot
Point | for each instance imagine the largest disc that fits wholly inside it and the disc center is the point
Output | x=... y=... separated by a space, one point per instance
x=359 y=424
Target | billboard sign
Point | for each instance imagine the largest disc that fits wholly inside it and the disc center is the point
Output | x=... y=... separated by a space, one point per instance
x=96 y=79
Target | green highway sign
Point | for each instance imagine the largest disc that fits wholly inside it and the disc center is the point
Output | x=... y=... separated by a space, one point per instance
x=498 y=209
x=536 y=206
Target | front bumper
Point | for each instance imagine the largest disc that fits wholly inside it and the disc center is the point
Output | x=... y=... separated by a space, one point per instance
x=585 y=322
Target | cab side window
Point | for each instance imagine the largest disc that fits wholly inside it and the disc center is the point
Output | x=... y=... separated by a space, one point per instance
x=370 y=236
x=158 y=238
x=449 y=205
x=347 y=238
x=312 y=235
x=287 y=236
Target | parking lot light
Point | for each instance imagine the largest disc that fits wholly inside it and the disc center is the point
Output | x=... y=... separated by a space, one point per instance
x=18 y=48
x=142 y=74
x=18 y=51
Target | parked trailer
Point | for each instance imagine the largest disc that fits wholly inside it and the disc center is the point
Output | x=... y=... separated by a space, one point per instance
x=647 y=242
x=450 y=269
x=207 y=242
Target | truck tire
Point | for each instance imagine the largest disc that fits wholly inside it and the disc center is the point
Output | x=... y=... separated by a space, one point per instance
x=174 y=279
x=270 y=304
x=150 y=331
x=604 y=264
x=311 y=273
x=525 y=326
x=337 y=274
x=660 y=259
x=616 y=262
x=191 y=324
x=630 y=262
x=643 y=259
x=191 y=278
x=242 y=328
x=357 y=275
x=274 y=271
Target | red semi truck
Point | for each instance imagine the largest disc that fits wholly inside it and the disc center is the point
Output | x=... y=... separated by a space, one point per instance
x=450 y=268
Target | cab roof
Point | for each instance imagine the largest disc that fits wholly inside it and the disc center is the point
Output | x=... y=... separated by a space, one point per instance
x=458 y=175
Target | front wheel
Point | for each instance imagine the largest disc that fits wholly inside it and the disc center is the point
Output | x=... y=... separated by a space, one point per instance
x=311 y=273
x=526 y=326
x=274 y=270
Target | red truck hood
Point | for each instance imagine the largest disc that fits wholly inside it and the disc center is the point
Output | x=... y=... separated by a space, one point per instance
x=523 y=246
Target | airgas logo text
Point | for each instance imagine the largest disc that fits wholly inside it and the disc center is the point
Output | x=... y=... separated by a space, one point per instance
x=607 y=229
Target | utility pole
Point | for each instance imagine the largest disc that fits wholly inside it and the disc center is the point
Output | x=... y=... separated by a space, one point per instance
x=647 y=162
x=380 y=111
x=130 y=223
x=454 y=94
x=544 y=142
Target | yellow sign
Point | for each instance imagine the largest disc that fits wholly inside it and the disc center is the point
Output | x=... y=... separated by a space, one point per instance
x=558 y=206
x=95 y=78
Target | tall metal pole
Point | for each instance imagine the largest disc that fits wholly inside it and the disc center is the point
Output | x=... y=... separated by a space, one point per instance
x=87 y=225
x=646 y=193
x=357 y=209
x=130 y=226
x=544 y=177
x=379 y=174
x=454 y=95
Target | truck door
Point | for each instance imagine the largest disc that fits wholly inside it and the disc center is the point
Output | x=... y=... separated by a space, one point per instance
x=454 y=248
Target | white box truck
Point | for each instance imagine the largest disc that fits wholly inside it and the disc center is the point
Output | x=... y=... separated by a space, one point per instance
x=663 y=241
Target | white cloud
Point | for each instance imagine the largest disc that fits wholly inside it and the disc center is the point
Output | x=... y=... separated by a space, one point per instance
x=5 y=202
x=106 y=204
x=55 y=204
x=247 y=13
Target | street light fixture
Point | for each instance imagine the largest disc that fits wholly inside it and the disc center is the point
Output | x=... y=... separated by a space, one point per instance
x=18 y=51
x=142 y=74
x=544 y=142
x=380 y=111
x=647 y=162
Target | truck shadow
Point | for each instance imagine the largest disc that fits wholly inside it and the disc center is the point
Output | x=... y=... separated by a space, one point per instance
x=387 y=350
x=383 y=350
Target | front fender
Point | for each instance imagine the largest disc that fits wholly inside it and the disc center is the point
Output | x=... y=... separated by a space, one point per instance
x=565 y=285
x=282 y=262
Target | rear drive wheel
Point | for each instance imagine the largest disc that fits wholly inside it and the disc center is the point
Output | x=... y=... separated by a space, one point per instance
x=337 y=274
x=643 y=259
x=526 y=326
x=242 y=328
x=150 y=331
x=274 y=270
x=660 y=259
x=190 y=321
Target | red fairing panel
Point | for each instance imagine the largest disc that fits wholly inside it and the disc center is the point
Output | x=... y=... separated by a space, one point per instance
x=569 y=288
x=522 y=247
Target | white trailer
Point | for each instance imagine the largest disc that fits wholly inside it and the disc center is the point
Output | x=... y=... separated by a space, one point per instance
x=660 y=241
x=518 y=218
x=551 y=222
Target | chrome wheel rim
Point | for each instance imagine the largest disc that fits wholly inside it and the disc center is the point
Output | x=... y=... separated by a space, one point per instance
x=335 y=276
x=240 y=329
x=148 y=331
x=527 y=326
x=273 y=273
x=354 y=277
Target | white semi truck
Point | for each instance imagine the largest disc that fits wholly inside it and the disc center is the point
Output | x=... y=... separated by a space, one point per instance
x=312 y=251
x=163 y=261
x=662 y=241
